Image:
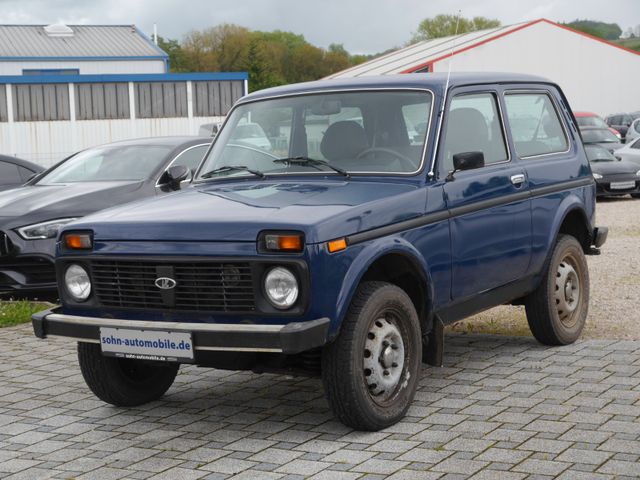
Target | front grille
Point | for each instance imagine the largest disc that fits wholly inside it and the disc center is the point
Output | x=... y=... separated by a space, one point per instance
x=26 y=271
x=200 y=286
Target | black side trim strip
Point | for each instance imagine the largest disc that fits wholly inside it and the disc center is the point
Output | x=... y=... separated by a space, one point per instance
x=492 y=202
x=558 y=187
x=457 y=211
x=398 y=227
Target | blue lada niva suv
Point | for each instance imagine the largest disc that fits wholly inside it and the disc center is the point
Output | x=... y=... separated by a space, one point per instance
x=334 y=228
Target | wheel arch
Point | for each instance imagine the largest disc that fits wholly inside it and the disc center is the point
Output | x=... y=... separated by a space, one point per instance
x=392 y=260
x=573 y=221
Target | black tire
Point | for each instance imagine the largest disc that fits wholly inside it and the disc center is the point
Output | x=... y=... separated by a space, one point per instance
x=354 y=397
x=123 y=382
x=557 y=309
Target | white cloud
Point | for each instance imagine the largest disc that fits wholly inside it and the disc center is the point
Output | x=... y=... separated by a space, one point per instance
x=366 y=26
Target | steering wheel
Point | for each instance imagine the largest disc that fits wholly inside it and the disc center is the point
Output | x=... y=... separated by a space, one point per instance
x=405 y=160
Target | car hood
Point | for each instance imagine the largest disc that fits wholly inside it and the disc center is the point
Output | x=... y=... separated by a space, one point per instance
x=609 y=146
x=35 y=203
x=238 y=211
x=614 y=168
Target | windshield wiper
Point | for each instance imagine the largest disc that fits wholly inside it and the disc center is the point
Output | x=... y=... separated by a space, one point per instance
x=311 y=162
x=231 y=168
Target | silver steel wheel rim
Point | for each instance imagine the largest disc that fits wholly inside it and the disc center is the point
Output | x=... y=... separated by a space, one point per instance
x=383 y=359
x=567 y=293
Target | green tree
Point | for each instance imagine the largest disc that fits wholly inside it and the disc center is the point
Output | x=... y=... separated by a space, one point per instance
x=447 y=25
x=177 y=60
x=606 y=31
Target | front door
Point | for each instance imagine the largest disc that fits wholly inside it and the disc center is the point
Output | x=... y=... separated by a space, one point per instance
x=490 y=209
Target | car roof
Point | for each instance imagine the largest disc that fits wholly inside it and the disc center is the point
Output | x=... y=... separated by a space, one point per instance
x=433 y=81
x=21 y=163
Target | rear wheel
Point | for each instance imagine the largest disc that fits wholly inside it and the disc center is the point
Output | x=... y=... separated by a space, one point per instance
x=123 y=382
x=557 y=309
x=370 y=372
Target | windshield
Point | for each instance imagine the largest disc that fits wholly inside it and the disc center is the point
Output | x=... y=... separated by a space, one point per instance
x=598 y=154
x=354 y=132
x=591 y=121
x=111 y=163
x=598 y=136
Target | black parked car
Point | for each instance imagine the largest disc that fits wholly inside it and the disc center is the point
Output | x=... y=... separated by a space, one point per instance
x=15 y=172
x=89 y=181
x=613 y=177
x=601 y=137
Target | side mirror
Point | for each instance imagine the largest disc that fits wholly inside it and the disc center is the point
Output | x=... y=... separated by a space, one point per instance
x=174 y=176
x=466 y=161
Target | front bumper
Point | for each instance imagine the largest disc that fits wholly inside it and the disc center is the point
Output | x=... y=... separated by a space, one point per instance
x=238 y=337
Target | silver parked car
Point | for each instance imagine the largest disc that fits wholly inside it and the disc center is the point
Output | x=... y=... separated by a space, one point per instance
x=630 y=151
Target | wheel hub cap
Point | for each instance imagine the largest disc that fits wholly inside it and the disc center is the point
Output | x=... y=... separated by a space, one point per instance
x=567 y=292
x=383 y=358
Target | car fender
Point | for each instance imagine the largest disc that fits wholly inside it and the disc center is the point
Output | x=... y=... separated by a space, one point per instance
x=569 y=204
x=371 y=252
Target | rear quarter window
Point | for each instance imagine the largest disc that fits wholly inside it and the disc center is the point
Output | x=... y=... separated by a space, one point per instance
x=536 y=128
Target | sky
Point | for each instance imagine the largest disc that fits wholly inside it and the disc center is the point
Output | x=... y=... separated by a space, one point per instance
x=362 y=26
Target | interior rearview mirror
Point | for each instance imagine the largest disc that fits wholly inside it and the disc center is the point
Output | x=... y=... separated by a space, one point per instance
x=174 y=176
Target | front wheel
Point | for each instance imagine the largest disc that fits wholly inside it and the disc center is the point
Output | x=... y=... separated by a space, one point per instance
x=557 y=309
x=123 y=382
x=370 y=372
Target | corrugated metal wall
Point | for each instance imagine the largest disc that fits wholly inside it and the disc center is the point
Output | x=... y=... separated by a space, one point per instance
x=46 y=122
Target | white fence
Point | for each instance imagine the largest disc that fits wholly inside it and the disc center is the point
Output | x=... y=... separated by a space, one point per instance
x=47 y=141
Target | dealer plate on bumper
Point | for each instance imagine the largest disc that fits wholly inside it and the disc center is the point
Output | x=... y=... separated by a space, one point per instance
x=622 y=185
x=146 y=344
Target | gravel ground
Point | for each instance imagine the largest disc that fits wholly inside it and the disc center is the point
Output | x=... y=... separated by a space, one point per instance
x=614 y=311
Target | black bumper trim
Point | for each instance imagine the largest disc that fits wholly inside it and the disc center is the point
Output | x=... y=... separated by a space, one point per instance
x=600 y=236
x=289 y=339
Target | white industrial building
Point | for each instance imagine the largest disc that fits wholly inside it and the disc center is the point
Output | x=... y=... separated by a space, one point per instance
x=596 y=75
x=78 y=49
x=65 y=88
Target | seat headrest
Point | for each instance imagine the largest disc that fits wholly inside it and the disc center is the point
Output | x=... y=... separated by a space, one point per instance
x=343 y=140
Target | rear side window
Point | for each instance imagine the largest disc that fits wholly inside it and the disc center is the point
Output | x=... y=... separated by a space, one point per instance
x=474 y=125
x=9 y=174
x=535 y=126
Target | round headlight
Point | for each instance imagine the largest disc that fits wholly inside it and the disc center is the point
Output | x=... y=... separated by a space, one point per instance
x=638 y=173
x=77 y=282
x=281 y=287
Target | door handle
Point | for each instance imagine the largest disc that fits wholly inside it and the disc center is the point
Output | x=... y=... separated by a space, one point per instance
x=517 y=180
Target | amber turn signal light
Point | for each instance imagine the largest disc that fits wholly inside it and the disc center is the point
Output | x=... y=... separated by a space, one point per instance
x=337 y=245
x=283 y=243
x=78 y=241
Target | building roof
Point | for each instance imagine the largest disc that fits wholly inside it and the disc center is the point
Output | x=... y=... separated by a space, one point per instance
x=418 y=56
x=61 y=42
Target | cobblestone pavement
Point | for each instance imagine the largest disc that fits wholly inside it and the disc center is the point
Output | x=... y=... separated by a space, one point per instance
x=500 y=408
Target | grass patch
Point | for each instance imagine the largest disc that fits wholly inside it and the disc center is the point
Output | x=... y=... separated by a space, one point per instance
x=17 y=312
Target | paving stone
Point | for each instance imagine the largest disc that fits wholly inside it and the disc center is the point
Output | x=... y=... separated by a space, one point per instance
x=463 y=467
x=541 y=467
x=383 y=467
x=617 y=467
x=500 y=408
